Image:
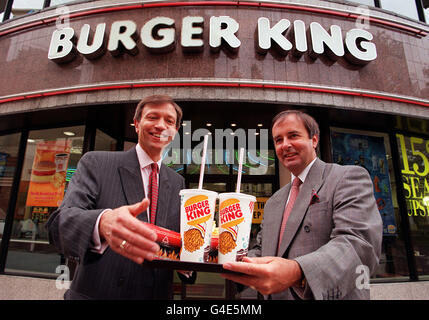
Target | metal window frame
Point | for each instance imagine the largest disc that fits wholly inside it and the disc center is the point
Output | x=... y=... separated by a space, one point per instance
x=10 y=213
x=377 y=4
x=88 y=145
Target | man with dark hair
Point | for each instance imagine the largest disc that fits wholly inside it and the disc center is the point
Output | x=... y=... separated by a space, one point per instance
x=319 y=232
x=101 y=219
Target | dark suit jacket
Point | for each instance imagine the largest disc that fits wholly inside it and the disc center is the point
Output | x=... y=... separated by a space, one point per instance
x=330 y=235
x=110 y=180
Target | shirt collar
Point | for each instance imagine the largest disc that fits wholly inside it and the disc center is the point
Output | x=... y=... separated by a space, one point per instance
x=144 y=159
x=303 y=175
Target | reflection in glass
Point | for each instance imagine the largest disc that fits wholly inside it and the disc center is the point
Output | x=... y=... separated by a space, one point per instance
x=9 y=145
x=256 y=189
x=51 y=158
x=414 y=160
x=366 y=2
x=172 y=158
x=256 y=163
x=216 y=162
x=104 y=142
x=372 y=151
x=23 y=7
x=406 y=8
x=60 y=2
x=426 y=10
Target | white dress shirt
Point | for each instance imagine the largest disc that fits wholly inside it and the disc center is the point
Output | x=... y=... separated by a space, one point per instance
x=302 y=176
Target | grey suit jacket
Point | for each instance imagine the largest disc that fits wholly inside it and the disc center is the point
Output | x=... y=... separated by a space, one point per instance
x=334 y=228
x=110 y=180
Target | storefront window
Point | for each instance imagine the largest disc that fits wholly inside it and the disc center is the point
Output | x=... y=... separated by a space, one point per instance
x=216 y=161
x=61 y=2
x=414 y=159
x=372 y=151
x=256 y=163
x=9 y=145
x=23 y=7
x=366 y=2
x=406 y=8
x=51 y=157
x=173 y=158
x=104 y=142
x=426 y=10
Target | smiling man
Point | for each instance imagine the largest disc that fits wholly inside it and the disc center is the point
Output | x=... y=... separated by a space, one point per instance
x=100 y=222
x=320 y=231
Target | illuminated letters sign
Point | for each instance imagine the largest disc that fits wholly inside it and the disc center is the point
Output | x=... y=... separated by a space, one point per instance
x=159 y=35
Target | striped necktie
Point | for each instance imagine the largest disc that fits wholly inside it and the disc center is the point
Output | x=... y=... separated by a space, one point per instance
x=153 y=191
x=293 y=195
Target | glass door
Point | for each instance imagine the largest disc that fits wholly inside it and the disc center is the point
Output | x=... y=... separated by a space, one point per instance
x=9 y=145
x=51 y=158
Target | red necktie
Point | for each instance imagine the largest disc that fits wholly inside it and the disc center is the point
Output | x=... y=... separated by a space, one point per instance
x=293 y=195
x=153 y=191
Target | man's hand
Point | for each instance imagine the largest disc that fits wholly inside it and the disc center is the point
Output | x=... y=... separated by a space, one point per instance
x=121 y=224
x=266 y=274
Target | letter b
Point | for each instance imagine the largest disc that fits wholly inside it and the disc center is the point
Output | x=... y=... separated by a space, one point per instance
x=61 y=48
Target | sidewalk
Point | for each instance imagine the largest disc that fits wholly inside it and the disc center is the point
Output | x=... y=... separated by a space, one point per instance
x=27 y=288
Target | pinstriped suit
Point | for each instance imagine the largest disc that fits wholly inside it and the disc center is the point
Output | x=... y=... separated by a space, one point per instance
x=110 y=180
x=329 y=235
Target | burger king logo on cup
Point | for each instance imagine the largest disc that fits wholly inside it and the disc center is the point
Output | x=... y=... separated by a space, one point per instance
x=196 y=221
x=230 y=216
x=197 y=211
x=235 y=220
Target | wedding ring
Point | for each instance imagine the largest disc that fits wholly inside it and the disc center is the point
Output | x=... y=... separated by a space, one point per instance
x=122 y=245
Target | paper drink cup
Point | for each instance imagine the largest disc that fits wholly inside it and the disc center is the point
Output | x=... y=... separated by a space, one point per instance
x=196 y=222
x=61 y=161
x=235 y=222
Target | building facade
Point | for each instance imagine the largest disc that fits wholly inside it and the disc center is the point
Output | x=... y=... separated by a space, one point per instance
x=73 y=71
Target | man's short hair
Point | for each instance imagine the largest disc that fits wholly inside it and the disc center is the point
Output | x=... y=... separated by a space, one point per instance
x=158 y=99
x=309 y=123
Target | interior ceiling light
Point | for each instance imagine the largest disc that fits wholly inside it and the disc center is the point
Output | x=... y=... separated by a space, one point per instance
x=69 y=133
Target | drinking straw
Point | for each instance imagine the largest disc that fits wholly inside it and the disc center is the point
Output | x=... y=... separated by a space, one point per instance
x=240 y=168
x=203 y=162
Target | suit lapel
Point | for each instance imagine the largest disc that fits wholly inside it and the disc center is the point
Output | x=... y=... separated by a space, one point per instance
x=163 y=197
x=272 y=223
x=131 y=180
x=312 y=183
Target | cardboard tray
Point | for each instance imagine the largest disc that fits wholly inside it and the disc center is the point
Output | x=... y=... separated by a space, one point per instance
x=185 y=266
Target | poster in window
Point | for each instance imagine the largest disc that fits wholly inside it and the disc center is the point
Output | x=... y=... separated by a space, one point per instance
x=368 y=152
x=48 y=174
